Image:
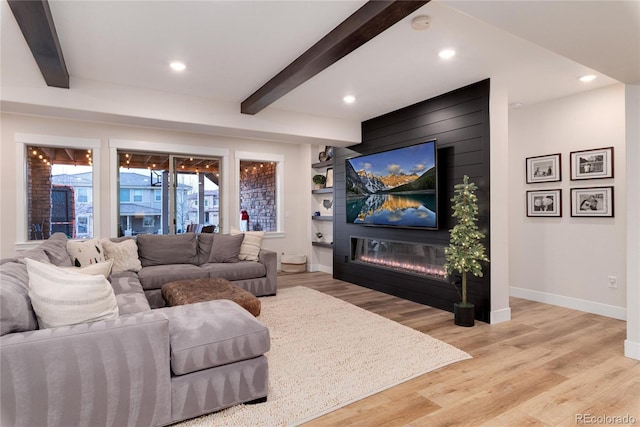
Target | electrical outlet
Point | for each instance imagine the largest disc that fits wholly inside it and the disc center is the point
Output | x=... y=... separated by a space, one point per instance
x=613 y=282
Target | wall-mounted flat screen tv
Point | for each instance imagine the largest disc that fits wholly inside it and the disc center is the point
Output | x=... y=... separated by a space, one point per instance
x=394 y=188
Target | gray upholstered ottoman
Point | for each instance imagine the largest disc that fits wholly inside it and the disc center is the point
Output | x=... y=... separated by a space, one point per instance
x=183 y=292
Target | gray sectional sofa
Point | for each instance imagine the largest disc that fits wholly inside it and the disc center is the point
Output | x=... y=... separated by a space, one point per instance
x=150 y=366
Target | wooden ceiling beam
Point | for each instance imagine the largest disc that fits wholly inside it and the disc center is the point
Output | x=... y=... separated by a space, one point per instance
x=36 y=23
x=363 y=25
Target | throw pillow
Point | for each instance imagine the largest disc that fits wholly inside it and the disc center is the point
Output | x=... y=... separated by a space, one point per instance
x=226 y=248
x=61 y=297
x=102 y=268
x=85 y=252
x=124 y=255
x=251 y=244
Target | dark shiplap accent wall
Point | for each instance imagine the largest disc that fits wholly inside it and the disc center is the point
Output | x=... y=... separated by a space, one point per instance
x=459 y=122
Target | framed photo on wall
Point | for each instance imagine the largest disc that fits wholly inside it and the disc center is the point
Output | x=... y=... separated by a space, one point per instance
x=543 y=168
x=592 y=164
x=544 y=203
x=329 y=182
x=589 y=202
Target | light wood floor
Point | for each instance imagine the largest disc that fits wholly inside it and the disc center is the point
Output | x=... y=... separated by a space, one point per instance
x=542 y=368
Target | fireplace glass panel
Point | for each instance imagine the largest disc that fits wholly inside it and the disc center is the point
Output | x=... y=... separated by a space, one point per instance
x=415 y=258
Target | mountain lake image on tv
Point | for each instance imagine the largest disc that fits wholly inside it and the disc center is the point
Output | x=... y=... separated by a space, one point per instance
x=395 y=188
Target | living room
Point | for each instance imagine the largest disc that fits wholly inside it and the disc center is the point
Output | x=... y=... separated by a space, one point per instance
x=566 y=261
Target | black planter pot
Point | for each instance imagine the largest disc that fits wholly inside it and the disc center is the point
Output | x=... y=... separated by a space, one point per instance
x=464 y=315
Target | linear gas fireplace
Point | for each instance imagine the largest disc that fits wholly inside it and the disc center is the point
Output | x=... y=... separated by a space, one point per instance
x=415 y=258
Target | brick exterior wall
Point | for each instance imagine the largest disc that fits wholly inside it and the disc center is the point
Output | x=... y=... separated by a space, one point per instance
x=39 y=188
x=258 y=196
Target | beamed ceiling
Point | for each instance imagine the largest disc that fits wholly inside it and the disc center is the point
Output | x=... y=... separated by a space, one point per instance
x=288 y=64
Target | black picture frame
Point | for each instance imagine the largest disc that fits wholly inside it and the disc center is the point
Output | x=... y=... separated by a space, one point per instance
x=547 y=168
x=544 y=203
x=596 y=163
x=592 y=202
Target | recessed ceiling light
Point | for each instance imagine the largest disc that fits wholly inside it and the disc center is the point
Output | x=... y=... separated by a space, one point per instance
x=349 y=99
x=447 y=53
x=177 y=66
x=587 y=78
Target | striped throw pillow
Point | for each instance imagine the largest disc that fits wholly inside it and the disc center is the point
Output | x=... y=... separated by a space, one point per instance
x=62 y=297
x=250 y=248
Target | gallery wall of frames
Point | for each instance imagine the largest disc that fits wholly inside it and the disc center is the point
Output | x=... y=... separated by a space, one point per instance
x=587 y=200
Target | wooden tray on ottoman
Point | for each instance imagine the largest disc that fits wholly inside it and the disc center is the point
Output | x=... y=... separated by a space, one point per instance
x=183 y=292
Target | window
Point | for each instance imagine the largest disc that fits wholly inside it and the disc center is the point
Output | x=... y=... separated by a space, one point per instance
x=163 y=193
x=260 y=196
x=82 y=195
x=58 y=170
x=82 y=225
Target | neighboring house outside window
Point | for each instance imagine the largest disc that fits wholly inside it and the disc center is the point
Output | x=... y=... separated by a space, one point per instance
x=82 y=195
x=82 y=225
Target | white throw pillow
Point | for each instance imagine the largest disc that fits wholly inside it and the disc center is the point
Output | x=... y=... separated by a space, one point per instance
x=124 y=255
x=102 y=268
x=250 y=249
x=61 y=297
x=85 y=252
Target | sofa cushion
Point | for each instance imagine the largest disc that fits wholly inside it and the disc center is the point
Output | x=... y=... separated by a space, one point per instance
x=129 y=293
x=56 y=249
x=167 y=249
x=61 y=297
x=85 y=252
x=155 y=276
x=205 y=242
x=213 y=333
x=16 y=312
x=226 y=248
x=36 y=253
x=236 y=271
x=124 y=255
x=250 y=249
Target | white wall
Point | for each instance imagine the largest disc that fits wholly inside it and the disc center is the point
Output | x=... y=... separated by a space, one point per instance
x=499 y=128
x=296 y=238
x=566 y=261
x=632 y=127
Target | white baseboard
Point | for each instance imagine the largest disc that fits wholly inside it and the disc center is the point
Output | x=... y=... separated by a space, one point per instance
x=499 y=316
x=632 y=349
x=607 y=310
x=319 y=267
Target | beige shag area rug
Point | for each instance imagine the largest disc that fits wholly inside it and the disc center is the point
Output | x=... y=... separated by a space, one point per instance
x=326 y=353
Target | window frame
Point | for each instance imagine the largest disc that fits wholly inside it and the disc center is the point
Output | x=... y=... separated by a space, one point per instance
x=171 y=149
x=23 y=140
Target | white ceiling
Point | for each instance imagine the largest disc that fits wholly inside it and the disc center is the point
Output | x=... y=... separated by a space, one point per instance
x=537 y=49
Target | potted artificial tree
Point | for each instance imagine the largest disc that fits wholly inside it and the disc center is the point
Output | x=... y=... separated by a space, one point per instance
x=465 y=250
x=319 y=180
